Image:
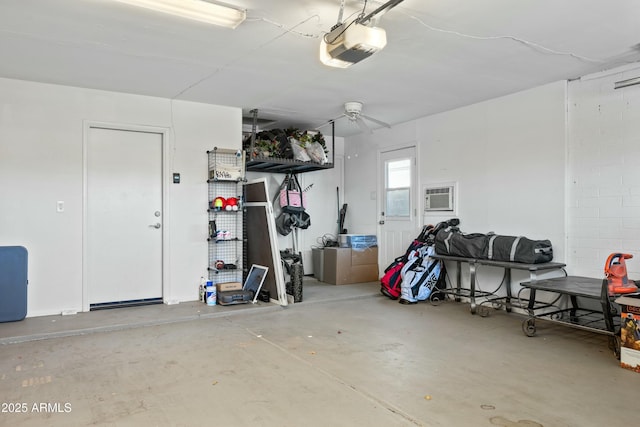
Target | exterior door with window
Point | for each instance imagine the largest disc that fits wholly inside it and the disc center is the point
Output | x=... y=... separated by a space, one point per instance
x=398 y=224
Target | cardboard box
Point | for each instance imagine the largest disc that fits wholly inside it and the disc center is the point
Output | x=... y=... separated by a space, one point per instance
x=630 y=332
x=366 y=256
x=229 y=286
x=318 y=263
x=337 y=264
x=344 y=266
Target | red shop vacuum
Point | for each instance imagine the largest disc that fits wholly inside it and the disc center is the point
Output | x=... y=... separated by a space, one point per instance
x=615 y=270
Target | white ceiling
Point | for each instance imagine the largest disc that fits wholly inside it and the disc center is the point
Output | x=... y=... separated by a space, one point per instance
x=440 y=54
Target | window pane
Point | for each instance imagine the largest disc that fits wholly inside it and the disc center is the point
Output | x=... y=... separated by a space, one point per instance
x=399 y=173
x=398 y=203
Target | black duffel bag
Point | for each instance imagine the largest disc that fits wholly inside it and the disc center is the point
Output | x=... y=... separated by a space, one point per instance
x=519 y=249
x=493 y=247
x=451 y=242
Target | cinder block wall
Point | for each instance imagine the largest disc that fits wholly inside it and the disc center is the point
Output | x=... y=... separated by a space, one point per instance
x=603 y=173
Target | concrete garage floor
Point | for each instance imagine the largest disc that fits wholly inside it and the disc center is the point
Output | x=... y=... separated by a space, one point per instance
x=346 y=356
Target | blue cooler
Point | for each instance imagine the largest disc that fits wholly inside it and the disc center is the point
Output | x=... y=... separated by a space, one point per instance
x=13 y=283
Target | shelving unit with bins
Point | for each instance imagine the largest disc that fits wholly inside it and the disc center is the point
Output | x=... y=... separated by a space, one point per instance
x=226 y=228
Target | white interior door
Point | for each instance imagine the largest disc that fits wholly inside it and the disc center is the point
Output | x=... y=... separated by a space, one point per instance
x=123 y=215
x=398 y=209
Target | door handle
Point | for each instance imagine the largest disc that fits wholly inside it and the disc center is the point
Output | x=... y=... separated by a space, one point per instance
x=156 y=225
x=381 y=222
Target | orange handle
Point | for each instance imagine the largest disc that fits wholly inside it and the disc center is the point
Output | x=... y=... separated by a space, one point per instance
x=610 y=261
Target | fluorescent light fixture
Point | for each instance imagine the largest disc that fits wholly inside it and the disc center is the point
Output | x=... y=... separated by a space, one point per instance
x=198 y=10
x=351 y=43
x=625 y=83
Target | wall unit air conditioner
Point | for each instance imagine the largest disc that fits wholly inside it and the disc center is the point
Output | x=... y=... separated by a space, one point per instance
x=439 y=198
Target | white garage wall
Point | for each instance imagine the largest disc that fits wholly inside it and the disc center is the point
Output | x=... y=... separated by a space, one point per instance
x=41 y=162
x=604 y=177
x=362 y=177
x=507 y=156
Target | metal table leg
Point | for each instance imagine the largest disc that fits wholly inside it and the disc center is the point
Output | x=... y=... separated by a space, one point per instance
x=472 y=291
x=574 y=307
x=607 y=312
x=507 y=278
x=458 y=280
x=529 y=325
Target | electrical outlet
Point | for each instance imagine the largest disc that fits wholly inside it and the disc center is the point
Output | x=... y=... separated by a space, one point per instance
x=60 y=206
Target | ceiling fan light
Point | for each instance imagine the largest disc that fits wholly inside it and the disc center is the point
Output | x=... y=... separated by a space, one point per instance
x=198 y=10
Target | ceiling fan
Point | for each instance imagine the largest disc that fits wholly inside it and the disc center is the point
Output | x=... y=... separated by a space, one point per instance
x=353 y=111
